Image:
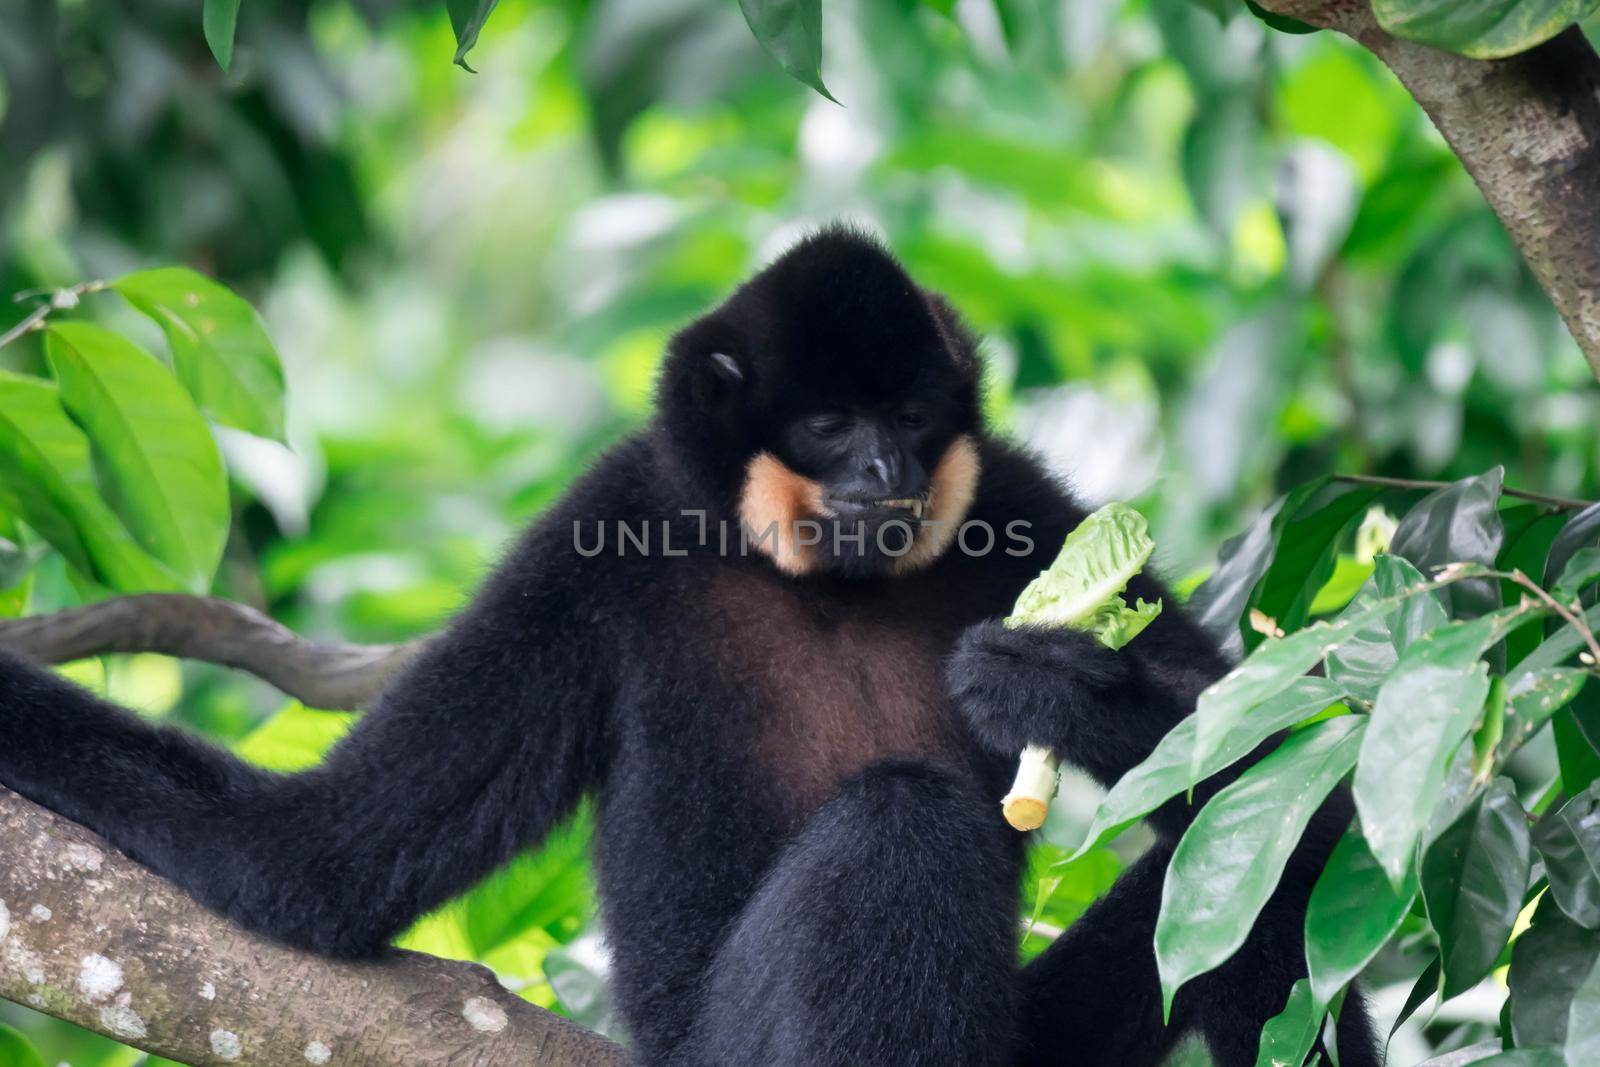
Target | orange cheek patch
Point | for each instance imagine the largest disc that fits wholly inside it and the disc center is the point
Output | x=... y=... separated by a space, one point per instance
x=775 y=500
x=955 y=484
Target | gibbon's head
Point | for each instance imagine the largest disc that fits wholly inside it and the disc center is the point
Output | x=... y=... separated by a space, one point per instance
x=831 y=406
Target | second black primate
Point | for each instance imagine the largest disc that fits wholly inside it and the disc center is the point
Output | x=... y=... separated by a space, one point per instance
x=797 y=748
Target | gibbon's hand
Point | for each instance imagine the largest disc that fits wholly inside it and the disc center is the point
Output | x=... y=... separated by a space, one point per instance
x=1027 y=685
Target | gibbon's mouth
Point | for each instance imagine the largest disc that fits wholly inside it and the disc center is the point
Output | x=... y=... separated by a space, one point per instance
x=911 y=507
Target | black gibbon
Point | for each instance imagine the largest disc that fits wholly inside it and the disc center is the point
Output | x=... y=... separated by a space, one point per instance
x=761 y=633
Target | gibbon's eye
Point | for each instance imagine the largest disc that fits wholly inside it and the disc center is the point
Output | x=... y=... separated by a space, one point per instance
x=914 y=418
x=830 y=425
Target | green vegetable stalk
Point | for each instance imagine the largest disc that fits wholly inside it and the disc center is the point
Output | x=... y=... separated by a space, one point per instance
x=1082 y=589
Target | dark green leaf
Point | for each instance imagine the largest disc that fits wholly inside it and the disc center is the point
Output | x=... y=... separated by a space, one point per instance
x=1581 y=531
x=153 y=452
x=1482 y=29
x=1363 y=661
x=1549 y=962
x=1583 y=1021
x=1288 y=1036
x=1581 y=570
x=1219 y=602
x=1307 y=551
x=1426 y=985
x=220 y=349
x=1473 y=878
x=1281 y=23
x=466 y=19
x=217 y=18
x=1234 y=852
x=791 y=32
x=1353 y=911
x=16 y=1050
x=1457 y=524
x=1569 y=842
x=1423 y=712
x=1533 y=698
x=1166 y=772
x=47 y=479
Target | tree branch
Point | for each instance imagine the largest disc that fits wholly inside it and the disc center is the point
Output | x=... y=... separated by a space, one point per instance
x=1528 y=130
x=89 y=936
x=331 y=677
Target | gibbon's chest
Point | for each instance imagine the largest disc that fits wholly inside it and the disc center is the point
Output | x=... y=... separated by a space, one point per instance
x=834 y=683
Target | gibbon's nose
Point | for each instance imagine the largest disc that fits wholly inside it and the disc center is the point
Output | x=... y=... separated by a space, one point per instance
x=887 y=470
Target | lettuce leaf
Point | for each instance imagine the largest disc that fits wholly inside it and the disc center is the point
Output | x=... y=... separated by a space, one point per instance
x=1083 y=587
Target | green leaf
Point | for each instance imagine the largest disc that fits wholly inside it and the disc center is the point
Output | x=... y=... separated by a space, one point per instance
x=1532 y=698
x=1220 y=601
x=1583 y=1021
x=1363 y=661
x=1082 y=587
x=1581 y=570
x=1307 y=552
x=466 y=19
x=217 y=18
x=1426 y=985
x=1166 y=771
x=1288 y=1036
x=791 y=32
x=1569 y=842
x=1423 y=712
x=1473 y=879
x=220 y=349
x=1271 y=668
x=1549 y=963
x=1457 y=524
x=1353 y=912
x=1281 y=23
x=1224 y=161
x=1580 y=532
x=1482 y=29
x=47 y=479
x=16 y=1050
x=294 y=738
x=1234 y=852
x=154 y=453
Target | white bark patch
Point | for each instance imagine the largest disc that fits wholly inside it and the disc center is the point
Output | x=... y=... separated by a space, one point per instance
x=30 y=964
x=123 y=1021
x=208 y=991
x=5 y=920
x=99 y=978
x=225 y=1045
x=484 y=1015
x=40 y=914
x=80 y=857
x=317 y=1052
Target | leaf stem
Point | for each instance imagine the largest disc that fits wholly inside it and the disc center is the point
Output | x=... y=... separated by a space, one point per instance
x=60 y=300
x=1563 y=502
x=1572 y=619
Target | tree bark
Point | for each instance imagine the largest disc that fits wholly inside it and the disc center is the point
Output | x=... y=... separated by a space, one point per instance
x=89 y=936
x=1528 y=130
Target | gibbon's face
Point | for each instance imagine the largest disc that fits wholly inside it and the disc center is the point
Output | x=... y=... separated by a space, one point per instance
x=847 y=395
x=861 y=490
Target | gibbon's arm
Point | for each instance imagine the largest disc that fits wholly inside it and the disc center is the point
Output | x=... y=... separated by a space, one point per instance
x=473 y=752
x=1099 y=709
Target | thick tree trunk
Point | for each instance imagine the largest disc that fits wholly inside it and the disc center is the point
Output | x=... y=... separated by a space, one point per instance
x=1528 y=130
x=89 y=936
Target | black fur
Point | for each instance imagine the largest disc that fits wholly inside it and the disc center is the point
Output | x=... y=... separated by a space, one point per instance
x=800 y=851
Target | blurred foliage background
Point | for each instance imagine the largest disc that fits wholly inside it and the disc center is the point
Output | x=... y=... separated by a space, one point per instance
x=1209 y=261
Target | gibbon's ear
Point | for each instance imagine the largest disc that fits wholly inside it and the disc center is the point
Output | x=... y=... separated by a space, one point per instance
x=728 y=368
